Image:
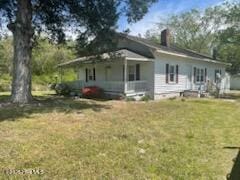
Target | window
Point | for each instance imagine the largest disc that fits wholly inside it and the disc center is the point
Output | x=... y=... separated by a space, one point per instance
x=90 y=75
x=172 y=73
x=131 y=73
x=199 y=75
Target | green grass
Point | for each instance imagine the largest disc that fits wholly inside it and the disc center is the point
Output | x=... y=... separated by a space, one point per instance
x=87 y=139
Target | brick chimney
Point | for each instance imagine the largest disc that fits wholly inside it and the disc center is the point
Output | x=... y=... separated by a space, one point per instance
x=165 y=37
x=214 y=53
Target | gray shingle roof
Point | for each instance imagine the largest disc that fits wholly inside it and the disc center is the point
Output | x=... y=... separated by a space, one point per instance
x=137 y=47
x=130 y=54
x=171 y=48
x=122 y=53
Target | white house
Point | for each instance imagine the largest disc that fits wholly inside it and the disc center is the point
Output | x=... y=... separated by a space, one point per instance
x=139 y=67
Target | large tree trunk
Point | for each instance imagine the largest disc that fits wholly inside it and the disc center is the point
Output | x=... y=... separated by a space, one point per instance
x=22 y=33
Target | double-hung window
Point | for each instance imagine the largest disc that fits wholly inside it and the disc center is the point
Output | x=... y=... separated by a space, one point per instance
x=172 y=73
x=131 y=73
x=199 y=75
x=90 y=74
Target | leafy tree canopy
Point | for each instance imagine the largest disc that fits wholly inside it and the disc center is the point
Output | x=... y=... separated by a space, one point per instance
x=216 y=28
x=89 y=19
x=192 y=30
x=229 y=37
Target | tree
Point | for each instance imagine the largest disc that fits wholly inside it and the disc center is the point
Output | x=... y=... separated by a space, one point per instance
x=229 y=37
x=46 y=56
x=26 y=18
x=193 y=30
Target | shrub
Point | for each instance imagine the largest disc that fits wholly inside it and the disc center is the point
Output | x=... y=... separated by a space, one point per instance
x=62 y=89
x=52 y=86
x=130 y=99
x=146 y=98
x=173 y=98
x=92 y=92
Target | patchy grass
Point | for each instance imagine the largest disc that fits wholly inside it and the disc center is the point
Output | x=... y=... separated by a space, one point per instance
x=87 y=139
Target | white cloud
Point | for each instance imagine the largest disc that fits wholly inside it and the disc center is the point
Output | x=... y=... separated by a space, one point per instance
x=148 y=22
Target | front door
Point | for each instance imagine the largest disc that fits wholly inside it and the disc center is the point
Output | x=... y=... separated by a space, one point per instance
x=107 y=73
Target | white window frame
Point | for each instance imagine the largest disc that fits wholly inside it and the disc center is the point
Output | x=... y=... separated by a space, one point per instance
x=132 y=71
x=172 y=73
x=90 y=74
x=200 y=73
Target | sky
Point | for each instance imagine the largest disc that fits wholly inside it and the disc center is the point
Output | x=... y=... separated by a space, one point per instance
x=161 y=10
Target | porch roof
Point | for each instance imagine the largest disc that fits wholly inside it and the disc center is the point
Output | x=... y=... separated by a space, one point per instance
x=111 y=56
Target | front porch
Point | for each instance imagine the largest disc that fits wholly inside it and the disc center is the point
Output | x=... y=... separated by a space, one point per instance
x=125 y=75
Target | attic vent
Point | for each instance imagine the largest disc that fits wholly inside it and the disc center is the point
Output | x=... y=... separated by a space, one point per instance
x=165 y=37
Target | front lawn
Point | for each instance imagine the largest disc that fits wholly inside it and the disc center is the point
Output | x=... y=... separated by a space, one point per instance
x=87 y=139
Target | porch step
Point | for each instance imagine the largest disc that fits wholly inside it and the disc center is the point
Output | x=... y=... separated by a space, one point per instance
x=129 y=94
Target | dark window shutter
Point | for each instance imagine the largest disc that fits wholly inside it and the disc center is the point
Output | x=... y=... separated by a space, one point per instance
x=167 y=72
x=123 y=72
x=177 y=69
x=137 y=72
x=205 y=74
x=220 y=72
x=94 y=74
x=194 y=74
x=86 y=71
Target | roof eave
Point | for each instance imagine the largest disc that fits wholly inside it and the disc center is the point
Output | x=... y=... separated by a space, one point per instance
x=195 y=58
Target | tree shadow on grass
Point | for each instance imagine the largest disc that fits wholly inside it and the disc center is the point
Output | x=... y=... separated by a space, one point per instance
x=46 y=104
x=234 y=96
x=235 y=172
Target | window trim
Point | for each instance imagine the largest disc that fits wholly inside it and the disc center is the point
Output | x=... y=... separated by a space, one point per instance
x=90 y=74
x=132 y=73
x=200 y=75
x=172 y=73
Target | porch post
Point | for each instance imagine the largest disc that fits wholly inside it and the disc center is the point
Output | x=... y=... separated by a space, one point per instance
x=125 y=75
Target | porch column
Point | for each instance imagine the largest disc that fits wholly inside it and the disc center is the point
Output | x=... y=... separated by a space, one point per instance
x=125 y=75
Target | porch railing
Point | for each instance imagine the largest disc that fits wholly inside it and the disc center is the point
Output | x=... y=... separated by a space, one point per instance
x=113 y=86
x=136 y=86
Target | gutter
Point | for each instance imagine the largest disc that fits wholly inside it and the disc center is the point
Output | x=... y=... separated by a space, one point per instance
x=195 y=58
